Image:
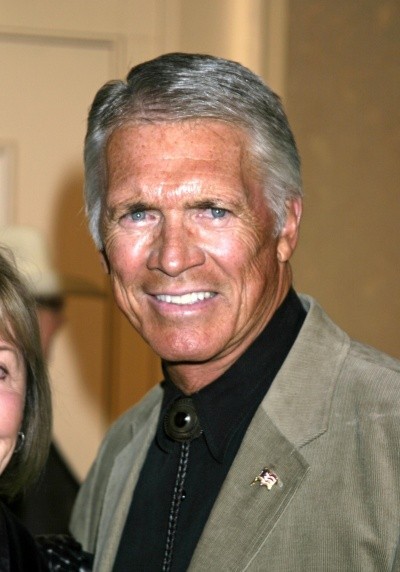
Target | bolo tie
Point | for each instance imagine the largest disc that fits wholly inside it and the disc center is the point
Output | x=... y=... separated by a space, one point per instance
x=181 y=423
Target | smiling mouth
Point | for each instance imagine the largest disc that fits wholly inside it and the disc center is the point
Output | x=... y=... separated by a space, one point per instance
x=185 y=299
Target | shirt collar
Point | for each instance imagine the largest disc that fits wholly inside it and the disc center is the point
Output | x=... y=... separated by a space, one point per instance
x=231 y=400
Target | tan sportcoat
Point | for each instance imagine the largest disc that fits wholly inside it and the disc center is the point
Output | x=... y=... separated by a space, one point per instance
x=329 y=427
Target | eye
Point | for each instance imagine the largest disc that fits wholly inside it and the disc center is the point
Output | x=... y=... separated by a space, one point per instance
x=138 y=216
x=217 y=212
x=3 y=372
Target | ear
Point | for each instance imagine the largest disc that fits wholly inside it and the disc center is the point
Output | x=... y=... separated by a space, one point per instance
x=289 y=234
x=104 y=261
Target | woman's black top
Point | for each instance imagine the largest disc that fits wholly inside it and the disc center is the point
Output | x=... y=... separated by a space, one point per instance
x=18 y=549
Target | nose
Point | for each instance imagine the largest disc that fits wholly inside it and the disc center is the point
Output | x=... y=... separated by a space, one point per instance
x=175 y=250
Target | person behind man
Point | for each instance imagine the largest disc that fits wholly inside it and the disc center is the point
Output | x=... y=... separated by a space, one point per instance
x=273 y=442
x=45 y=508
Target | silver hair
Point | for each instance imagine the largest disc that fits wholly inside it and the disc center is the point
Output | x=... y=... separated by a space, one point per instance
x=179 y=87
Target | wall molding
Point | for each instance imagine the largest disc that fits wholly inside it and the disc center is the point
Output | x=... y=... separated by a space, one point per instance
x=114 y=44
x=8 y=172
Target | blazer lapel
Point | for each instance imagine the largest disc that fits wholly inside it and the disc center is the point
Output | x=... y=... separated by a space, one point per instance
x=119 y=492
x=244 y=515
x=299 y=400
x=294 y=412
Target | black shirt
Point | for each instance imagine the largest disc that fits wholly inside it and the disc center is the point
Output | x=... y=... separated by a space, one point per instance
x=225 y=408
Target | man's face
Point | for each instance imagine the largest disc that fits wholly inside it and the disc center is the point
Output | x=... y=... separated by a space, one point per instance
x=189 y=239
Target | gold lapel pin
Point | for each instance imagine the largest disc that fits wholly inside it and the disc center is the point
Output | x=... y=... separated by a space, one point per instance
x=266 y=479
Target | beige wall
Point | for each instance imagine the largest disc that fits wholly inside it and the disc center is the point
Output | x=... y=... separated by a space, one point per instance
x=342 y=97
x=334 y=63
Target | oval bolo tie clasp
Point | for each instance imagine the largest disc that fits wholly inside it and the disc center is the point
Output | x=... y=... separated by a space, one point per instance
x=181 y=422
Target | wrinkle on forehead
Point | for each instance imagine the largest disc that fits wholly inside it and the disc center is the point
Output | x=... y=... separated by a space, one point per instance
x=197 y=141
x=181 y=153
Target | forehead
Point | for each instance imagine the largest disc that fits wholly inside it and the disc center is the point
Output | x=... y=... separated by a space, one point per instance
x=196 y=146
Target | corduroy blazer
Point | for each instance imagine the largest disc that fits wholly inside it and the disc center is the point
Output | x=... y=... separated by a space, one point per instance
x=329 y=428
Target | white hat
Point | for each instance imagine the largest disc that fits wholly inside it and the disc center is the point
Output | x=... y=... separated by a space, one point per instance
x=32 y=259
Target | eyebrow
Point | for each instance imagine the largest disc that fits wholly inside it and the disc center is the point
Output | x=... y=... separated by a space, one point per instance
x=6 y=347
x=11 y=349
x=216 y=202
x=204 y=204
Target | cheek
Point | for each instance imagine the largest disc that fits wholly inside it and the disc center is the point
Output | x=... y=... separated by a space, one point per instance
x=123 y=255
x=126 y=260
x=11 y=413
x=260 y=243
x=245 y=251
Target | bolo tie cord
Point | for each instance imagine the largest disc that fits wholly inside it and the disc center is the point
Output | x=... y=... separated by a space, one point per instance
x=176 y=505
x=181 y=424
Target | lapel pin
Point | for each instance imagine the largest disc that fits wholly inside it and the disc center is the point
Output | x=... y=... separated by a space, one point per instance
x=266 y=479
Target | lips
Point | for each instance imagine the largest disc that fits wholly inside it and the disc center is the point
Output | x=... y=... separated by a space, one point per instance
x=185 y=299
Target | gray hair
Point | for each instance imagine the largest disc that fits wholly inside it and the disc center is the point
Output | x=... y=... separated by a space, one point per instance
x=179 y=87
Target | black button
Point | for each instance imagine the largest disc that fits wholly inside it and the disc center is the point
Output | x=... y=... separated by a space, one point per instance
x=181 y=422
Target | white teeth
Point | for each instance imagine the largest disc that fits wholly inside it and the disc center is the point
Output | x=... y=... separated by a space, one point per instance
x=185 y=299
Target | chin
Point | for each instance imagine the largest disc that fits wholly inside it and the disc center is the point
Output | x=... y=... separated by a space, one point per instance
x=184 y=352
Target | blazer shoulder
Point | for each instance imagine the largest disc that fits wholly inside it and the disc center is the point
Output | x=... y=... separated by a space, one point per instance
x=362 y=354
x=372 y=377
x=123 y=428
x=320 y=332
